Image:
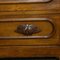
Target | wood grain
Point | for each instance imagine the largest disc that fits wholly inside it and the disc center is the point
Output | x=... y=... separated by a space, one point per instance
x=52 y=6
x=23 y=1
x=29 y=47
x=54 y=40
x=39 y=22
x=29 y=51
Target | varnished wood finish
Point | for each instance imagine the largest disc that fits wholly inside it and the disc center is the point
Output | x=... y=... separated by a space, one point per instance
x=23 y=1
x=44 y=23
x=29 y=47
x=29 y=51
x=53 y=6
x=54 y=40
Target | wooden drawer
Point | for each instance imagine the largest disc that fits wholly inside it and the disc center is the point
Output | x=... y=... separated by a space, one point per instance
x=16 y=6
x=40 y=30
x=29 y=28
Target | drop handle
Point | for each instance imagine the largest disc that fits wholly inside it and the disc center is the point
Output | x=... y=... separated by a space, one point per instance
x=27 y=29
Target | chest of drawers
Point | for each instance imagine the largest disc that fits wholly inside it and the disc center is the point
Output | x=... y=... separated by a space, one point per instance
x=29 y=28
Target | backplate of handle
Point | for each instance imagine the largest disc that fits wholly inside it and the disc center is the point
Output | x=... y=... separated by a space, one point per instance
x=23 y=1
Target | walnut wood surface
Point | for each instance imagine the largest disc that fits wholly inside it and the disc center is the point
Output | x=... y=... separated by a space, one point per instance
x=54 y=40
x=53 y=6
x=29 y=51
x=44 y=23
x=30 y=47
x=23 y=1
x=25 y=51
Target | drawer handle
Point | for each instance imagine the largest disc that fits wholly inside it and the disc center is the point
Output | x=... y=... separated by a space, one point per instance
x=27 y=29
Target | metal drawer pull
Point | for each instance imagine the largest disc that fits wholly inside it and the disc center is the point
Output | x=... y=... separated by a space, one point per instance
x=27 y=29
x=23 y=1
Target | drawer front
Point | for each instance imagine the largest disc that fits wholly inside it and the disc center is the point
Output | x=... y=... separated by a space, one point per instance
x=26 y=28
x=30 y=31
x=54 y=5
